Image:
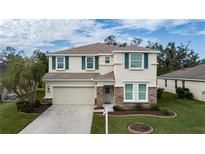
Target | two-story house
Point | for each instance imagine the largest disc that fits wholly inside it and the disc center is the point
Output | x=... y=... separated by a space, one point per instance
x=100 y=73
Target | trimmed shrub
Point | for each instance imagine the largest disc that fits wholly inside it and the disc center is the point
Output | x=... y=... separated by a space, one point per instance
x=155 y=107
x=184 y=93
x=37 y=103
x=164 y=111
x=24 y=106
x=180 y=92
x=186 y=89
x=159 y=93
x=117 y=108
x=137 y=107
x=188 y=95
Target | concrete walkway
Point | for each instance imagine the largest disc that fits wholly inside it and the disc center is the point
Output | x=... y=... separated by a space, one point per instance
x=62 y=119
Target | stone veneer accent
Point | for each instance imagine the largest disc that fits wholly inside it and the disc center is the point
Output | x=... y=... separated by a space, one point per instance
x=119 y=94
x=100 y=96
x=152 y=94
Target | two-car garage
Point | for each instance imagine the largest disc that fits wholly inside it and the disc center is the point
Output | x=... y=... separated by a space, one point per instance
x=73 y=95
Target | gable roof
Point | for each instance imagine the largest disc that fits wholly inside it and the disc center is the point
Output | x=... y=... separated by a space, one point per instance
x=98 y=48
x=79 y=76
x=193 y=73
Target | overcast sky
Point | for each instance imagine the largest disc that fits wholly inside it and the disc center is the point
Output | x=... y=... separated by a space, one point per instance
x=51 y=35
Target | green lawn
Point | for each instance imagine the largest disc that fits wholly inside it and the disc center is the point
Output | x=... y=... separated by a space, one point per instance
x=11 y=121
x=190 y=119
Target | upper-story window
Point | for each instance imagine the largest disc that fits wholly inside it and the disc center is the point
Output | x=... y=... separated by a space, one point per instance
x=136 y=60
x=90 y=63
x=107 y=60
x=60 y=63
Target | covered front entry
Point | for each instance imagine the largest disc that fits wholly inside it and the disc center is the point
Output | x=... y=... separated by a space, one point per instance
x=105 y=95
x=108 y=94
x=73 y=95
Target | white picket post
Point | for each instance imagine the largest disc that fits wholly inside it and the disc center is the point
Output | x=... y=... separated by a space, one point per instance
x=106 y=121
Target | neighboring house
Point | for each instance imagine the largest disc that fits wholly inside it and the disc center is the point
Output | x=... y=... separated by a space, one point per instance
x=192 y=78
x=100 y=73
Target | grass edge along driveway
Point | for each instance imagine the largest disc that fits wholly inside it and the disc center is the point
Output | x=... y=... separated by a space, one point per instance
x=11 y=121
x=190 y=118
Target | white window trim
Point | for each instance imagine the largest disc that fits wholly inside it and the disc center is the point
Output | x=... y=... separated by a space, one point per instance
x=134 y=99
x=136 y=68
x=108 y=58
x=146 y=100
x=93 y=63
x=57 y=63
x=132 y=93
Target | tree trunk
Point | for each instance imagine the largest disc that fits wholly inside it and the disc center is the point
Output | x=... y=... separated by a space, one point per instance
x=34 y=94
x=16 y=91
x=1 y=100
x=1 y=91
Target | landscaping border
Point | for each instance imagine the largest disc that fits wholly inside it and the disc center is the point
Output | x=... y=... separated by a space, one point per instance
x=144 y=115
x=138 y=132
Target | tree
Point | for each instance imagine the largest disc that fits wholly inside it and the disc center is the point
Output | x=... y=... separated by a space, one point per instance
x=1 y=89
x=136 y=41
x=25 y=73
x=11 y=77
x=111 y=40
x=30 y=78
x=39 y=56
x=10 y=52
x=174 y=57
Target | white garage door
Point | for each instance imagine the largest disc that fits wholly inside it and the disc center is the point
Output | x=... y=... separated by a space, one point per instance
x=73 y=95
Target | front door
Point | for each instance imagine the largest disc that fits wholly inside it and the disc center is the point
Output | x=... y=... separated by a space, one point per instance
x=108 y=95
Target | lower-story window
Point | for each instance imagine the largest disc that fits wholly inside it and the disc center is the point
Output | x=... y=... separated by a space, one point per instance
x=135 y=92
x=142 y=92
x=128 y=92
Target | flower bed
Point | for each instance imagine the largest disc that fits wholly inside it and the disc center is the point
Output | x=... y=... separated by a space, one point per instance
x=140 y=128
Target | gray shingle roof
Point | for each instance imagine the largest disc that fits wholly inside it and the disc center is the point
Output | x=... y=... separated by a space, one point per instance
x=77 y=76
x=197 y=72
x=108 y=76
x=99 y=48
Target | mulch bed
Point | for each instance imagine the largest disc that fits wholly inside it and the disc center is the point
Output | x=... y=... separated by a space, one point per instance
x=140 y=128
x=41 y=109
x=130 y=111
x=97 y=108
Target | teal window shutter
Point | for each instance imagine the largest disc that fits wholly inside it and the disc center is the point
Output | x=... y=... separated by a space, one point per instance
x=146 y=60
x=66 y=62
x=96 y=62
x=83 y=62
x=126 y=60
x=53 y=63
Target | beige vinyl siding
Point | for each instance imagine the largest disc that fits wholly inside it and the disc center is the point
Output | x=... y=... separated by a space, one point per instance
x=195 y=87
x=75 y=66
x=122 y=74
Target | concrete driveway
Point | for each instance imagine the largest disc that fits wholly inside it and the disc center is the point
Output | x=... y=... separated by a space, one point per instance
x=62 y=119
